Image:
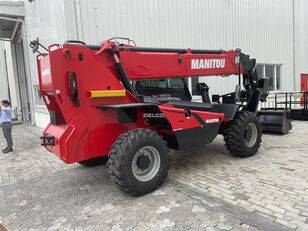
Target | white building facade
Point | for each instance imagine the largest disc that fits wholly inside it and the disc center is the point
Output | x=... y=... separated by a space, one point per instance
x=275 y=32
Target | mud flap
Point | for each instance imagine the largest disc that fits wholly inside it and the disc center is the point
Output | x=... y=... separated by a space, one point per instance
x=198 y=136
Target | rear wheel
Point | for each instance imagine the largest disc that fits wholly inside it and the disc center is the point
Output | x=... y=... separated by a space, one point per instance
x=138 y=161
x=243 y=134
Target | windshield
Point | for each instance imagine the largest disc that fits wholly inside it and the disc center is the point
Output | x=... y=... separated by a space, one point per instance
x=170 y=83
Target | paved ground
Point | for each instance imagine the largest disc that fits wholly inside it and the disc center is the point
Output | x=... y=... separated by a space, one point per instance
x=207 y=189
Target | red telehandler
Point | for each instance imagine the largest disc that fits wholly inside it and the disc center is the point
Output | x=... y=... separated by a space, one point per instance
x=131 y=104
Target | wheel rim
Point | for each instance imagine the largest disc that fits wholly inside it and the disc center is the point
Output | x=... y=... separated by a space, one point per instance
x=251 y=134
x=146 y=163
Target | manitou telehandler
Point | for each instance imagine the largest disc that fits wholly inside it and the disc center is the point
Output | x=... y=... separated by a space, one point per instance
x=132 y=104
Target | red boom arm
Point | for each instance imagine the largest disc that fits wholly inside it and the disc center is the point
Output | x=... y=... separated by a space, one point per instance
x=142 y=64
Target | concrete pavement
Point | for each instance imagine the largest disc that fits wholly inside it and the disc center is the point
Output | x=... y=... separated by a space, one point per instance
x=207 y=189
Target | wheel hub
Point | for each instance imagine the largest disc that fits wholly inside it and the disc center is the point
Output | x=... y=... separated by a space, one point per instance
x=146 y=163
x=143 y=162
x=251 y=134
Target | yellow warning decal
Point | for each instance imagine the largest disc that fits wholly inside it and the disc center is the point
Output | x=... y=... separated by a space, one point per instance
x=107 y=93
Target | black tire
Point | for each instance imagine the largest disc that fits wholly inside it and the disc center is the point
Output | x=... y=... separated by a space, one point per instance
x=129 y=146
x=94 y=161
x=236 y=137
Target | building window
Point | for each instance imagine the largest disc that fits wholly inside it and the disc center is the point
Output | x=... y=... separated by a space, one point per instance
x=273 y=72
x=38 y=97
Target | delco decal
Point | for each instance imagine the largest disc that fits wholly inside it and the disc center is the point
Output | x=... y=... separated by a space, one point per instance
x=45 y=72
x=207 y=63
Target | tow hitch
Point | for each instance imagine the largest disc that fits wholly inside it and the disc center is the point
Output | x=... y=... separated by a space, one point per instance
x=47 y=140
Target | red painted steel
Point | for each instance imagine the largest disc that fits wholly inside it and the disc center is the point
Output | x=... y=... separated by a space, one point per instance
x=180 y=122
x=83 y=131
x=304 y=84
x=145 y=65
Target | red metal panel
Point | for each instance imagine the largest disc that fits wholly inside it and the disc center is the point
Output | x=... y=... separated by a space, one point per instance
x=179 y=121
x=145 y=65
x=86 y=132
x=304 y=83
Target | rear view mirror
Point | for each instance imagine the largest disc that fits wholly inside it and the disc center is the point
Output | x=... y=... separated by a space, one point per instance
x=35 y=45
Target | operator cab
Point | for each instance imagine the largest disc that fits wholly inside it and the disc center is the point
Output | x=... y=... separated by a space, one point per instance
x=171 y=91
x=174 y=87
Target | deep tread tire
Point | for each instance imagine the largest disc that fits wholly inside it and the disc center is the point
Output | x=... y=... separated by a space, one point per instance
x=234 y=135
x=94 y=161
x=121 y=156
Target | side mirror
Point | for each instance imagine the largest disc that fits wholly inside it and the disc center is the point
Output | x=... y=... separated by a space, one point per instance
x=35 y=45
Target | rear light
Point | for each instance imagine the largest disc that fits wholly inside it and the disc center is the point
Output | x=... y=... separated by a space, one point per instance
x=72 y=87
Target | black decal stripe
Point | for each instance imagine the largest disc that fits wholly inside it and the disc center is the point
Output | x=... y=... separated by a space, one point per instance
x=201 y=121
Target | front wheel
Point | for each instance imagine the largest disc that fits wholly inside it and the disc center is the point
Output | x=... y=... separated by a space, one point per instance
x=243 y=134
x=138 y=161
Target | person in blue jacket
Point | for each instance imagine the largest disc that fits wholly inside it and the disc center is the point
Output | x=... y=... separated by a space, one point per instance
x=6 y=124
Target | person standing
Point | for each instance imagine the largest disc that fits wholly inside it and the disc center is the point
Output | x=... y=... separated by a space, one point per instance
x=6 y=124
